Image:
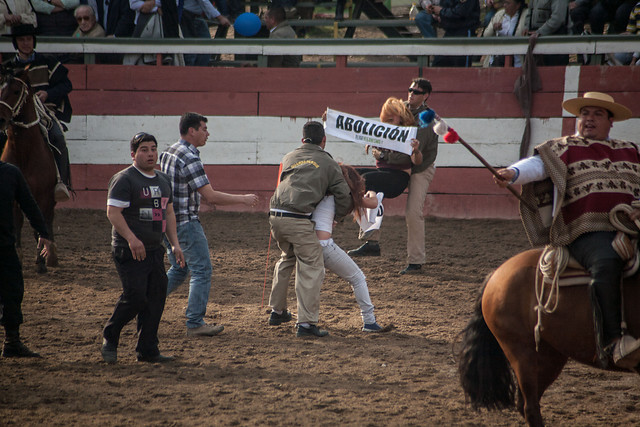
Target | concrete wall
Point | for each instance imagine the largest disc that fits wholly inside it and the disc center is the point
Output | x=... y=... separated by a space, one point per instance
x=256 y=116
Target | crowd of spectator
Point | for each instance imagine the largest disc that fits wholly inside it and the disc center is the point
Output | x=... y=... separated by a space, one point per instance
x=193 y=18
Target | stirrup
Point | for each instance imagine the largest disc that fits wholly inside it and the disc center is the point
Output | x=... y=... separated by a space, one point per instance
x=61 y=192
x=626 y=352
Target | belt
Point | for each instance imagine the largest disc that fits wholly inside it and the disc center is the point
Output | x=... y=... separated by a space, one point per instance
x=289 y=215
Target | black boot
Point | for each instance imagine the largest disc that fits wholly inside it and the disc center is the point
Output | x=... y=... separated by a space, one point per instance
x=370 y=248
x=13 y=347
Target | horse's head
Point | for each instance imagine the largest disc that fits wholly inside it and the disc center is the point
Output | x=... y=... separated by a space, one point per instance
x=13 y=94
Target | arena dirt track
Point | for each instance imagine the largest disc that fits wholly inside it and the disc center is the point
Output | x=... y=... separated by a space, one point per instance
x=254 y=374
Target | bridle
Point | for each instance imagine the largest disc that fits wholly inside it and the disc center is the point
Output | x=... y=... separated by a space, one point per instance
x=17 y=107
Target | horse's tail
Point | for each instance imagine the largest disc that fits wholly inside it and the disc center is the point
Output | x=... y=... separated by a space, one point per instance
x=485 y=374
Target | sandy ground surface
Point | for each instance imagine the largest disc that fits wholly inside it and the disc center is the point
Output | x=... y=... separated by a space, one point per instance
x=255 y=374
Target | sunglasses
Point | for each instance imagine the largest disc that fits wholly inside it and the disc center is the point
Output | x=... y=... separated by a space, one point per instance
x=416 y=91
x=83 y=18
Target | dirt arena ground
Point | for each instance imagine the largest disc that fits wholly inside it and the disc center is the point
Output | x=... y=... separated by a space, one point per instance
x=254 y=374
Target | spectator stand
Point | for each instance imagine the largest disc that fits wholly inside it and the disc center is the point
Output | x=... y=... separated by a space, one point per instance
x=378 y=14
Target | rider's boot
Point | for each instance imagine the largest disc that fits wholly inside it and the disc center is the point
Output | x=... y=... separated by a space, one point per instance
x=61 y=155
x=61 y=192
x=626 y=352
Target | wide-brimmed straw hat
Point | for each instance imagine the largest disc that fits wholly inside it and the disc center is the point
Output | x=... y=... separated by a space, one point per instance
x=597 y=99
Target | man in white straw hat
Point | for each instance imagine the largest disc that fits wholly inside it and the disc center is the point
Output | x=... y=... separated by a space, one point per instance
x=575 y=181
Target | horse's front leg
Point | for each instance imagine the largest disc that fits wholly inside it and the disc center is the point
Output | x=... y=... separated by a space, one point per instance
x=41 y=262
x=52 y=258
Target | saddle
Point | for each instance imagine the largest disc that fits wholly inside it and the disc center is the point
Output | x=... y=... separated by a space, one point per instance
x=557 y=266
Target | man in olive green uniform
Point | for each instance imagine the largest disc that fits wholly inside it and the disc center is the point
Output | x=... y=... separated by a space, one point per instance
x=308 y=174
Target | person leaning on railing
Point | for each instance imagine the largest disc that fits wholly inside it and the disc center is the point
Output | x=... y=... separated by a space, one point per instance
x=633 y=28
x=20 y=12
x=194 y=26
x=509 y=21
x=458 y=18
x=547 y=18
x=87 y=23
x=279 y=28
x=55 y=17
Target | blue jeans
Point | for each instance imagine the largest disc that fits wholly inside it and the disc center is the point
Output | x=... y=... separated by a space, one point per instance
x=424 y=22
x=196 y=255
x=194 y=27
x=625 y=58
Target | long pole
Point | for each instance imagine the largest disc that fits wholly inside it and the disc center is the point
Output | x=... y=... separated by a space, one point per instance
x=494 y=172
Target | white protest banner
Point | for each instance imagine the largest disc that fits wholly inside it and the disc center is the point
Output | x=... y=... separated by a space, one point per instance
x=369 y=132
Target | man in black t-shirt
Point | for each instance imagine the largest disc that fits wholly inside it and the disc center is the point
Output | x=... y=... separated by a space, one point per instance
x=140 y=208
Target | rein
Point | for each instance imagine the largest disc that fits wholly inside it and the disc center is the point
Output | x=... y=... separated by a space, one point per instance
x=17 y=108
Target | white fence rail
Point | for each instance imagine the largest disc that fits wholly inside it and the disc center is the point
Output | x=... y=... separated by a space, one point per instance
x=591 y=45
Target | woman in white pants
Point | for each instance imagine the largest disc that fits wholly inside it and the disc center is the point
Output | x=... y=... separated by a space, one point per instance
x=337 y=260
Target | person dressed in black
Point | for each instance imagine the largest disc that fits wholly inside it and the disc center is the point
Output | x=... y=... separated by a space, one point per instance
x=14 y=189
x=52 y=86
x=458 y=18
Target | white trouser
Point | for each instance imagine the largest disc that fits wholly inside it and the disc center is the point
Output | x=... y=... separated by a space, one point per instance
x=337 y=260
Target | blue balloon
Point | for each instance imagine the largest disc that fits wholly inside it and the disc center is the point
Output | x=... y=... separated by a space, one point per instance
x=426 y=117
x=247 y=24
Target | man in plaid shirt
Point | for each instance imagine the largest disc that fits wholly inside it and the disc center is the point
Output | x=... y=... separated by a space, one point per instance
x=182 y=163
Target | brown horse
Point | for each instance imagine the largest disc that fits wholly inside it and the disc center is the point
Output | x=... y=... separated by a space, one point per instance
x=499 y=339
x=27 y=149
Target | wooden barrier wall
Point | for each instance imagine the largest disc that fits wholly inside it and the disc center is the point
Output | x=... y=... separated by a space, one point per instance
x=258 y=113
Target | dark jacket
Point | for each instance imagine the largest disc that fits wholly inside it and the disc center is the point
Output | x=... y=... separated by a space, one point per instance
x=48 y=74
x=460 y=15
x=14 y=188
x=119 y=18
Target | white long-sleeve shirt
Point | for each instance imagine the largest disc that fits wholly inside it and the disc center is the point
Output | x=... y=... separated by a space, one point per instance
x=529 y=170
x=532 y=169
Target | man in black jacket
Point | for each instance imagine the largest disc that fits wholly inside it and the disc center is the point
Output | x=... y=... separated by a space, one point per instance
x=13 y=190
x=458 y=18
x=50 y=82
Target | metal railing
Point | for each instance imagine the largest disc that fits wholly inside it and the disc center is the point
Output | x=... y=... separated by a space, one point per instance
x=415 y=48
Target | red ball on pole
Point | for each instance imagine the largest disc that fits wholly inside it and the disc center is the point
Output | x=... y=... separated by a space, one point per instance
x=451 y=137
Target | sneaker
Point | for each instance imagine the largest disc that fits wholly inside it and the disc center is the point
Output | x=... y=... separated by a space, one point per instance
x=311 y=331
x=276 y=319
x=626 y=352
x=109 y=352
x=205 y=330
x=17 y=349
x=370 y=248
x=371 y=327
x=158 y=358
x=61 y=192
x=411 y=268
